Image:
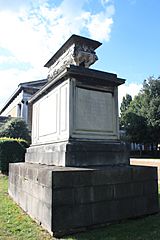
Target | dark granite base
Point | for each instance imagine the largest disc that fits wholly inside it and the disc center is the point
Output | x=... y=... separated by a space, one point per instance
x=65 y=200
x=79 y=153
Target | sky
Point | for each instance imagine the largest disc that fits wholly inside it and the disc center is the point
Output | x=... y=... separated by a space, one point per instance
x=32 y=31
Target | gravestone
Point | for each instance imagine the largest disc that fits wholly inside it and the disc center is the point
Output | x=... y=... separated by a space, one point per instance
x=76 y=173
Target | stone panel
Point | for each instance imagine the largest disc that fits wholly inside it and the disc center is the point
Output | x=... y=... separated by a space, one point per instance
x=48 y=120
x=64 y=110
x=51 y=116
x=94 y=111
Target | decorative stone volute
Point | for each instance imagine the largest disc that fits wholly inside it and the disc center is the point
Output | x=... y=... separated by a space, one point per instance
x=77 y=50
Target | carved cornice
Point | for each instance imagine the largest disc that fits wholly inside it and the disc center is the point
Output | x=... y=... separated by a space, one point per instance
x=78 y=51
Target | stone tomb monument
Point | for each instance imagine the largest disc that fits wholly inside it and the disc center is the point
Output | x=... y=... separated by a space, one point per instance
x=76 y=173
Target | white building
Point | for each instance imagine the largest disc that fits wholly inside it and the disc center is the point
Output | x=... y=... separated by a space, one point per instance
x=17 y=104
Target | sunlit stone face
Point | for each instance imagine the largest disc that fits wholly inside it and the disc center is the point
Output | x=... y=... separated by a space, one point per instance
x=94 y=111
x=78 y=55
x=78 y=51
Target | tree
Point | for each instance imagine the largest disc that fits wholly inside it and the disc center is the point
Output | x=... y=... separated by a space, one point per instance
x=123 y=109
x=151 y=107
x=15 y=128
x=136 y=127
x=141 y=119
x=151 y=94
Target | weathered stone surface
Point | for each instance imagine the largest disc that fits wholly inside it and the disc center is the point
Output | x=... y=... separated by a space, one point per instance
x=31 y=187
x=76 y=50
x=84 y=105
x=69 y=199
x=76 y=173
x=78 y=153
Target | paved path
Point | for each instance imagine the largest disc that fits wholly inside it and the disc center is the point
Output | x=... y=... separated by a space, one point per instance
x=147 y=162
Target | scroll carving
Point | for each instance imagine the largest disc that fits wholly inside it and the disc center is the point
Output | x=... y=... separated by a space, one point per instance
x=79 y=55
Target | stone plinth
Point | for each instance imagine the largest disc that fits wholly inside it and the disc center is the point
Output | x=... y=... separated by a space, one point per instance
x=77 y=110
x=79 y=154
x=75 y=116
x=67 y=200
x=76 y=173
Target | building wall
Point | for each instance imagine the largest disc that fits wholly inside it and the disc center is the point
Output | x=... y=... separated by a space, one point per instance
x=11 y=112
x=18 y=107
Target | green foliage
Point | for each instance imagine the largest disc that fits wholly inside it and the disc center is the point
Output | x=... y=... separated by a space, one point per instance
x=20 y=140
x=11 y=151
x=124 y=107
x=151 y=94
x=136 y=127
x=15 y=128
x=14 y=223
x=141 y=117
x=125 y=103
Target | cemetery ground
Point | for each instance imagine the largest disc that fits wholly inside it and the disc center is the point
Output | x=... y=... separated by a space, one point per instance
x=16 y=225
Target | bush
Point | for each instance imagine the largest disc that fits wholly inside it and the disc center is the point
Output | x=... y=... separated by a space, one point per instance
x=15 y=128
x=11 y=151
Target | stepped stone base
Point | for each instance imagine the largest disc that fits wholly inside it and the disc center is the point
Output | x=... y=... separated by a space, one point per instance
x=66 y=200
x=79 y=154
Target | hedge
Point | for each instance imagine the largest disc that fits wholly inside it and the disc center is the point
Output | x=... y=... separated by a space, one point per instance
x=15 y=128
x=11 y=151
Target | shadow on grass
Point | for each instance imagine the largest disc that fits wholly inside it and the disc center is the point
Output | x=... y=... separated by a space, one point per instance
x=145 y=228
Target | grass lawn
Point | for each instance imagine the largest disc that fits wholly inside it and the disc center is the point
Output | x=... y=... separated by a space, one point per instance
x=16 y=225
